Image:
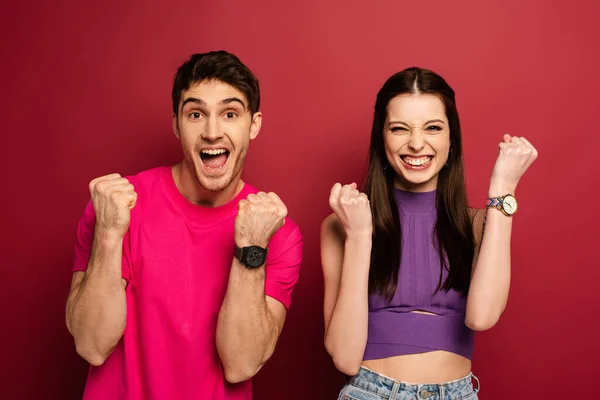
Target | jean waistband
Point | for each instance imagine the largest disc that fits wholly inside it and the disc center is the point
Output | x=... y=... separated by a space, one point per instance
x=388 y=387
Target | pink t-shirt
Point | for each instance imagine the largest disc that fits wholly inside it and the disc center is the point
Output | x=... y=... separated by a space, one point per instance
x=176 y=258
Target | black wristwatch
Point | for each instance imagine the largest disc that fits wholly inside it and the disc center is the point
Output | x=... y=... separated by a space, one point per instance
x=251 y=256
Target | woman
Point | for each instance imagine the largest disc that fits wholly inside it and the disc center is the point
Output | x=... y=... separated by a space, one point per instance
x=409 y=275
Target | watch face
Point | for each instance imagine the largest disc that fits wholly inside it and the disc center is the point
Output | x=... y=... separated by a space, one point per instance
x=255 y=257
x=509 y=204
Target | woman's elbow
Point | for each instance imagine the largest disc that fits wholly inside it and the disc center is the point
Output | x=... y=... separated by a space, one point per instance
x=347 y=366
x=481 y=323
x=344 y=363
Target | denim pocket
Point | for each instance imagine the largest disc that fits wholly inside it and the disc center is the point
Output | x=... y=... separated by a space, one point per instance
x=351 y=392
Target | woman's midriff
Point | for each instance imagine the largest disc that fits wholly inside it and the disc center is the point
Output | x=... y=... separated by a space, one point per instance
x=430 y=367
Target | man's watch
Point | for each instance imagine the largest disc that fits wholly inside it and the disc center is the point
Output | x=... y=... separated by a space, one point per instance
x=251 y=256
x=507 y=204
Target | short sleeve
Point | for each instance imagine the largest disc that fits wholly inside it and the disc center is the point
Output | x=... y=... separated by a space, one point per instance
x=283 y=267
x=85 y=239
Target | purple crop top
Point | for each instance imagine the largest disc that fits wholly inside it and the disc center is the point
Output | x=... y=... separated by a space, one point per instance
x=393 y=329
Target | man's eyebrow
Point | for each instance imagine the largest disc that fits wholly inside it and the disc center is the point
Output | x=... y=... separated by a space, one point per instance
x=193 y=100
x=230 y=100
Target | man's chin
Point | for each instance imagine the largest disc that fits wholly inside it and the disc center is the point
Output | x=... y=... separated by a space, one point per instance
x=213 y=183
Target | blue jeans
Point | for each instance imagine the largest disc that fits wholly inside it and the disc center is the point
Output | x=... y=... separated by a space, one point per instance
x=369 y=385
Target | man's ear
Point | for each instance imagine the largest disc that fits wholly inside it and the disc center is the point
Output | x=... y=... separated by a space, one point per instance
x=256 y=124
x=176 y=126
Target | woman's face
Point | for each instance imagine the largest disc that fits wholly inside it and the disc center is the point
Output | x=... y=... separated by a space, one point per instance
x=417 y=140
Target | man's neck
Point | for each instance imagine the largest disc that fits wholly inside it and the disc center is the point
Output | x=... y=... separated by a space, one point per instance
x=191 y=189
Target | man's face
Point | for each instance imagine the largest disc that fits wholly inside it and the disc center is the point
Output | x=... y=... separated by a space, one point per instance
x=215 y=127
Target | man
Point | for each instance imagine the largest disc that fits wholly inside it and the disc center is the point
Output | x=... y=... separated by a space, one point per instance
x=183 y=274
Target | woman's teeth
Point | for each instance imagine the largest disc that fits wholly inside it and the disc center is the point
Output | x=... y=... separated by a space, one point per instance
x=416 y=161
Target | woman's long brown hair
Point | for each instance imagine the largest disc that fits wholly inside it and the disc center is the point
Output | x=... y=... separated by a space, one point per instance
x=453 y=230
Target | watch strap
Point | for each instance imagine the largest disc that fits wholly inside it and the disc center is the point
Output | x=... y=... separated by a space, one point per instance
x=494 y=202
x=238 y=253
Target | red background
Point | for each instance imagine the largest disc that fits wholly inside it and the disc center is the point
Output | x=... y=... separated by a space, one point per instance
x=86 y=91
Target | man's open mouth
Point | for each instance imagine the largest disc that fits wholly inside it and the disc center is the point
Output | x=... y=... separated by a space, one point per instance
x=214 y=158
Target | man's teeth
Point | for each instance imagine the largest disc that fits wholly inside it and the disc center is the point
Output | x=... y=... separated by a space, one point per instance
x=416 y=161
x=214 y=152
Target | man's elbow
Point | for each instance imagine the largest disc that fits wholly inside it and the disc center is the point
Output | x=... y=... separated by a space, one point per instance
x=91 y=355
x=239 y=373
x=93 y=352
x=240 y=366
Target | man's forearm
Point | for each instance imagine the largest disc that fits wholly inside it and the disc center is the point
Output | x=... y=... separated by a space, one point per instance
x=97 y=309
x=246 y=331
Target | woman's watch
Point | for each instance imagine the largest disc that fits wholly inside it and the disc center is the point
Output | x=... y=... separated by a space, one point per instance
x=507 y=204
